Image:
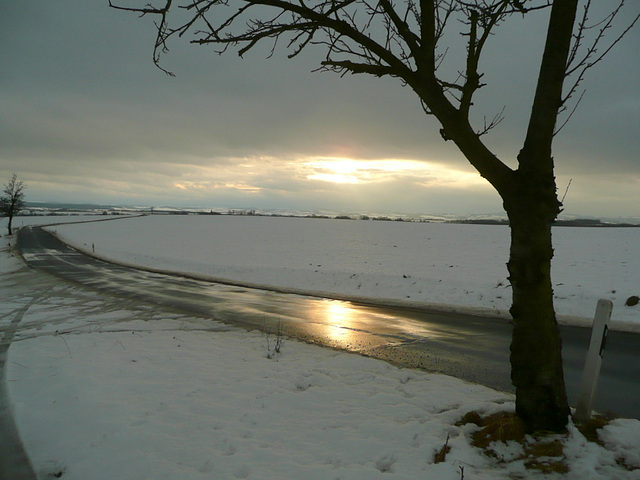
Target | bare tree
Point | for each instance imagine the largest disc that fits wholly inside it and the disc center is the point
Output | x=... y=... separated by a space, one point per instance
x=408 y=39
x=12 y=200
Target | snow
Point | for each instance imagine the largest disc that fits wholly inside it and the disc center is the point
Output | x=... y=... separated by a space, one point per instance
x=620 y=436
x=104 y=388
x=435 y=265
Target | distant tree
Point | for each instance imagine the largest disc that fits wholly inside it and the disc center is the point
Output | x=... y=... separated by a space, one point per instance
x=12 y=199
x=409 y=40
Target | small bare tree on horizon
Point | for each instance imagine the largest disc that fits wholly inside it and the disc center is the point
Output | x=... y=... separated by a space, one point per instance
x=408 y=40
x=12 y=199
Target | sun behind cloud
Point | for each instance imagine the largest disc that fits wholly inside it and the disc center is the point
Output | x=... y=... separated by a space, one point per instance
x=338 y=170
x=350 y=171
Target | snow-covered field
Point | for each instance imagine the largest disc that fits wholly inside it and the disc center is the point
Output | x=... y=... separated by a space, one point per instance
x=446 y=266
x=110 y=389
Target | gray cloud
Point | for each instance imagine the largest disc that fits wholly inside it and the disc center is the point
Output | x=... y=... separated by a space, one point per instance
x=86 y=114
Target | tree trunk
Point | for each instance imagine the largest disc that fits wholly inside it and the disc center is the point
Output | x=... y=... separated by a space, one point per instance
x=9 y=224
x=532 y=205
x=536 y=357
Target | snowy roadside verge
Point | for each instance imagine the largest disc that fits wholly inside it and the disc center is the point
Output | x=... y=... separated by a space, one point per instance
x=444 y=267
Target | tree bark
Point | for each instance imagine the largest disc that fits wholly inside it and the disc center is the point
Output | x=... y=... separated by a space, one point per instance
x=536 y=346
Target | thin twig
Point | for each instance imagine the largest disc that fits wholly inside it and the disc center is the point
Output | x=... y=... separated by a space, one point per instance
x=66 y=345
x=566 y=191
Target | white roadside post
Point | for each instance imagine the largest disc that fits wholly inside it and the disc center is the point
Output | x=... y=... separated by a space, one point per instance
x=592 y=365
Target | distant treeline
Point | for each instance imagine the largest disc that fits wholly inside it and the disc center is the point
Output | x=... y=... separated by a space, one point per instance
x=577 y=222
x=43 y=209
x=253 y=213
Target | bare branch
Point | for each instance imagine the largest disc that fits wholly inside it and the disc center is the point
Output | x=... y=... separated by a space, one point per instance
x=573 y=110
x=493 y=123
x=583 y=58
x=352 y=67
x=163 y=29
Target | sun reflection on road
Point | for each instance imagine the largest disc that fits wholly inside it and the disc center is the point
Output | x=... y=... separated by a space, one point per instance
x=337 y=322
x=356 y=327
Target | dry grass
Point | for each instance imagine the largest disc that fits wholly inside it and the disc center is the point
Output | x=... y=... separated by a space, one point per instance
x=500 y=427
x=442 y=453
x=590 y=428
x=539 y=453
x=546 y=456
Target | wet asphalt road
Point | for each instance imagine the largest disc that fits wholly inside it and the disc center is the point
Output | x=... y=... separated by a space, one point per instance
x=473 y=348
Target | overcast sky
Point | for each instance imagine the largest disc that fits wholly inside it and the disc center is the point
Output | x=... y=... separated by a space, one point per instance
x=85 y=116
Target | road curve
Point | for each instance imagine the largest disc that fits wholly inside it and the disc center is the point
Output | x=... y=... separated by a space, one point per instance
x=473 y=348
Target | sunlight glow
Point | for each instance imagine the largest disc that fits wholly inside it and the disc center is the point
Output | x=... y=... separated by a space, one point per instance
x=334 y=179
x=347 y=325
x=336 y=170
x=345 y=170
x=338 y=322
